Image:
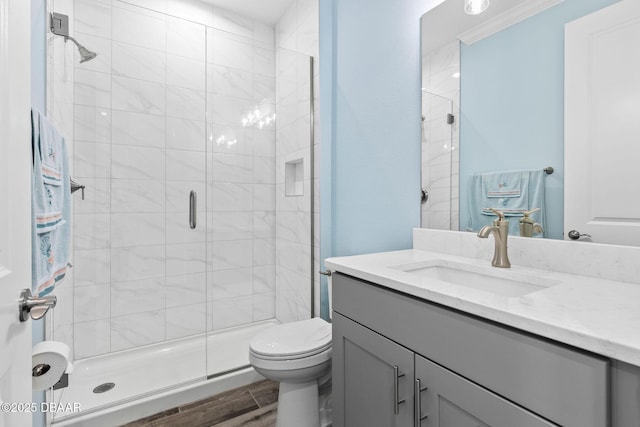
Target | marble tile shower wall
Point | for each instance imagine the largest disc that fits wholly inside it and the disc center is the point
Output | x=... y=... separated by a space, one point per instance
x=440 y=141
x=157 y=114
x=296 y=40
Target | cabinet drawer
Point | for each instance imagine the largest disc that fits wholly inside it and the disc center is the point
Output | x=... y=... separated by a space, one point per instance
x=450 y=400
x=564 y=385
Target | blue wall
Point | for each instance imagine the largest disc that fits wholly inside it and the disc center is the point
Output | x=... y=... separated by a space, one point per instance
x=512 y=103
x=370 y=126
x=375 y=159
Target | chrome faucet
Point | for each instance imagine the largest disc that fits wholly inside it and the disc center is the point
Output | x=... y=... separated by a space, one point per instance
x=500 y=231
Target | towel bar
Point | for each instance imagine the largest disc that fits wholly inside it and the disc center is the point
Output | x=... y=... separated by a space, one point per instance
x=75 y=187
x=548 y=170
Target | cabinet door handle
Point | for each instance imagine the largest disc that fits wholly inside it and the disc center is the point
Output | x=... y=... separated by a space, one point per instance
x=418 y=403
x=193 y=208
x=396 y=398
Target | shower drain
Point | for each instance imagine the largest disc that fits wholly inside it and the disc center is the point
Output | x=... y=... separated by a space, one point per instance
x=102 y=388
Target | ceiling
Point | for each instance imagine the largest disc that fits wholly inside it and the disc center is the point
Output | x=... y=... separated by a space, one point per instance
x=267 y=11
x=445 y=22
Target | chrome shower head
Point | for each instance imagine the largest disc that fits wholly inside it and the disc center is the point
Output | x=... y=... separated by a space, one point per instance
x=85 y=54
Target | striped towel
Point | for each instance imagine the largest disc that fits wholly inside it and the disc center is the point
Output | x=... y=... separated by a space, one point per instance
x=50 y=206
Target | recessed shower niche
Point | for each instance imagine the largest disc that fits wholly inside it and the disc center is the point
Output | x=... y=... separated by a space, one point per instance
x=294 y=178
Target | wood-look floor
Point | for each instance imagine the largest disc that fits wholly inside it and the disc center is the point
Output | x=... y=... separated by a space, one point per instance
x=254 y=405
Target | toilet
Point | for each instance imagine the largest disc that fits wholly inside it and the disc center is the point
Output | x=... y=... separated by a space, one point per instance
x=298 y=355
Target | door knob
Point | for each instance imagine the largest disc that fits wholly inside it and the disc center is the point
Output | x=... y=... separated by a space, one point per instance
x=36 y=308
x=575 y=235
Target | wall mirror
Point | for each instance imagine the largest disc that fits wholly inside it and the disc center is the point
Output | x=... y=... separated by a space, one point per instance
x=493 y=100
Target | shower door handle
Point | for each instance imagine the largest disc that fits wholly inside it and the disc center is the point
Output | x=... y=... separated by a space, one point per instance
x=193 y=208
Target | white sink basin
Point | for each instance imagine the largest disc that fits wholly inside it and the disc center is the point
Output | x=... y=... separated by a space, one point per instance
x=497 y=281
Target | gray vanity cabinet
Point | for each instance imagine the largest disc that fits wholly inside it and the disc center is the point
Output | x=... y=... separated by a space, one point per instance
x=448 y=400
x=476 y=373
x=374 y=376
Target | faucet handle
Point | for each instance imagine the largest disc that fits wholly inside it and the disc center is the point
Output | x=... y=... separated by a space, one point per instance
x=500 y=214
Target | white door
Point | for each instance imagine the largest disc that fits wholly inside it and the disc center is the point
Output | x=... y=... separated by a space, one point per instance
x=15 y=210
x=602 y=124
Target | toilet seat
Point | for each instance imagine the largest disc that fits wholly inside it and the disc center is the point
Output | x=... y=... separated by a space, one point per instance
x=290 y=356
x=295 y=340
x=290 y=364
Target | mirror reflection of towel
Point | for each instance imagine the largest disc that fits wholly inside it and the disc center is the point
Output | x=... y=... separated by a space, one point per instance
x=505 y=191
x=502 y=184
x=512 y=192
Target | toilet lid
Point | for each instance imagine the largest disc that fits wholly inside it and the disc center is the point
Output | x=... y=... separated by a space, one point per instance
x=293 y=339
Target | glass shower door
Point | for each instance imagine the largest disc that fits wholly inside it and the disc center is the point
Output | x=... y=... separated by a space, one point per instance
x=260 y=238
x=134 y=312
x=295 y=187
x=439 y=163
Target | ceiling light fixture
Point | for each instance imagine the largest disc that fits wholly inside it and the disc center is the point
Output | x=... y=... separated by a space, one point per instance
x=475 y=7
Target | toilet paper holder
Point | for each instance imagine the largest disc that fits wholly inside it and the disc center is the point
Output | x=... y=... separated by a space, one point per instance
x=42 y=368
x=34 y=307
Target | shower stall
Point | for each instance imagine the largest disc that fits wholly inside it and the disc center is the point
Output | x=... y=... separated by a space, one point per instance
x=192 y=134
x=440 y=145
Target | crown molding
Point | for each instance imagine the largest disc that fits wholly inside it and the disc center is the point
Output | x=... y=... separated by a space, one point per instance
x=506 y=19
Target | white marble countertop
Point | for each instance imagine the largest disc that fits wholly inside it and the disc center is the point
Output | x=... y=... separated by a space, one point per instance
x=592 y=313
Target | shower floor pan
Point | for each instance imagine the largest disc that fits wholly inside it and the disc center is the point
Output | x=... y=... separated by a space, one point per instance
x=157 y=377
